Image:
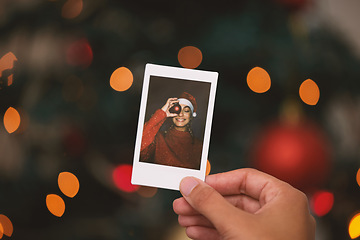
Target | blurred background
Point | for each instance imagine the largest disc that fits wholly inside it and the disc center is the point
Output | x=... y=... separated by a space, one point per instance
x=71 y=74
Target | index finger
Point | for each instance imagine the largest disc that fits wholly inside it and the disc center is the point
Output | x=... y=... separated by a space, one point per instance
x=250 y=182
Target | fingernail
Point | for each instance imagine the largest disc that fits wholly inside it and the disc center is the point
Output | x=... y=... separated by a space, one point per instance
x=187 y=185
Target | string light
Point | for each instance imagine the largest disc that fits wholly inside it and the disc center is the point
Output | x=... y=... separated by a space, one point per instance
x=190 y=57
x=309 y=92
x=122 y=178
x=354 y=226
x=11 y=120
x=55 y=204
x=258 y=80
x=322 y=202
x=6 y=226
x=72 y=8
x=68 y=184
x=121 y=79
x=208 y=168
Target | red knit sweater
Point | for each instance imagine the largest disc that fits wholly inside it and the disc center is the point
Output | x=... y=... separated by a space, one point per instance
x=173 y=148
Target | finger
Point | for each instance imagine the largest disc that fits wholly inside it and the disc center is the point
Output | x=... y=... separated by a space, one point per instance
x=253 y=183
x=195 y=220
x=212 y=205
x=202 y=233
x=246 y=203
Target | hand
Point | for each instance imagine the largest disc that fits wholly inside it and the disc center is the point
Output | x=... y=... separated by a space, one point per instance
x=244 y=204
x=169 y=103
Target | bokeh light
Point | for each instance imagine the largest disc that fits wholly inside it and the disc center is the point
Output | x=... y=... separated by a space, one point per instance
x=322 y=202
x=358 y=177
x=72 y=8
x=11 y=120
x=68 y=184
x=258 y=80
x=147 y=192
x=1 y=231
x=122 y=178
x=6 y=225
x=190 y=57
x=309 y=92
x=121 y=79
x=354 y=226
x=79 y=53
x=55 y=204
x=208 y=168
x=7 y=62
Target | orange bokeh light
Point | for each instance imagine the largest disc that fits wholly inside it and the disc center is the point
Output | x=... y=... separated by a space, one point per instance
x=6 y=226
x=208 y=168
x=122 y=178
x=190 y=57
x=68 y=184
x=147 y=192
x=258 y=80
x=7 y=62
x=11 y=120
x=309 y=92
x=1 y=231
x=358 y=177
x=55 y=204
x=72 y=8
x=354 y=226
x=322 y=202
x=121 y=79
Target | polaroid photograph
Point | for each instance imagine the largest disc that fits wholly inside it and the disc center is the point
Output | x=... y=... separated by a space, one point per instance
x=174 y=126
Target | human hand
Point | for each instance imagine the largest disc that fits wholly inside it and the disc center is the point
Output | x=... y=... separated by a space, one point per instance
x=169 y=103
x=244 y=204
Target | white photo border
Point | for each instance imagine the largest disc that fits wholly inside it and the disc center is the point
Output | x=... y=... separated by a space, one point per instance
x=162 y=176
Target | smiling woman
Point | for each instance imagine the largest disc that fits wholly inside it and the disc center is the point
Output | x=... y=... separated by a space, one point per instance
x=177 y=145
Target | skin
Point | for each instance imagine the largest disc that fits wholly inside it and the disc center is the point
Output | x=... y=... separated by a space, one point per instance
x=180 y=120
x=244 y=204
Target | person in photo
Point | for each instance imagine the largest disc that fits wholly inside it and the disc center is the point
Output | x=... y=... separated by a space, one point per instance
x=176 y=146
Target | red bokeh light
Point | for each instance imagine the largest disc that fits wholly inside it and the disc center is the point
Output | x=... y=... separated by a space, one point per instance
x=79 y=53
x=122 y=178
x=322 y=202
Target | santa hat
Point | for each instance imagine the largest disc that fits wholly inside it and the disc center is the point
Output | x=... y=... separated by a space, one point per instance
x=188 y=100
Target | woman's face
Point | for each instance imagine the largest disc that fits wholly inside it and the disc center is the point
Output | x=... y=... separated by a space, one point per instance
x=183 y=118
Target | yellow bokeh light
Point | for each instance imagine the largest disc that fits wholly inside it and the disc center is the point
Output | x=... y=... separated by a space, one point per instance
x=354 y=226
x=55 y=204
x=147 y=192
x=6 y=225
x=121 y=79
x=190 y=57
x=11 y=120
x=309 y=92
x=72 y=9
x=258 y=80
x=68 y=184
x=358 y=177
x=208 y=168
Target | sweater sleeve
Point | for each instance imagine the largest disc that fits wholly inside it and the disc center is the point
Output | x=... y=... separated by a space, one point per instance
x=151 y=128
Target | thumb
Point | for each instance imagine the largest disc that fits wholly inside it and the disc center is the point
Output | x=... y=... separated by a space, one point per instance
x=211 y=204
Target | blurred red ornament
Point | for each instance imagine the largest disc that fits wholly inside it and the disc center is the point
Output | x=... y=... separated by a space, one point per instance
x=79 y=53
x=296 y=152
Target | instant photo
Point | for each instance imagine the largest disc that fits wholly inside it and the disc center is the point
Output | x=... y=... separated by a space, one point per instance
x=174 y=125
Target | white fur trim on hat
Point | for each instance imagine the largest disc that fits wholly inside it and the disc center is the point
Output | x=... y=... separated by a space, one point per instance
x=187 y=103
